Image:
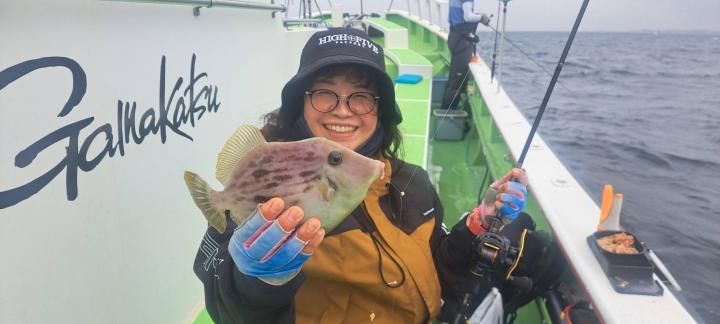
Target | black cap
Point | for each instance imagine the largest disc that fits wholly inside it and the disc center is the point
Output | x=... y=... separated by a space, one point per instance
x=340 y=46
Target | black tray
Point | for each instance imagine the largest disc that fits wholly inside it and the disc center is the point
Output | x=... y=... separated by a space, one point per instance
x=628 y=273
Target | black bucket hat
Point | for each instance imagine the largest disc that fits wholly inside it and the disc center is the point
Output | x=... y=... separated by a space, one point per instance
x=340 y=46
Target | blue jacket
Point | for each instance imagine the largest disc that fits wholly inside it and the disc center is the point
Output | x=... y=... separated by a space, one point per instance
x=455 y=12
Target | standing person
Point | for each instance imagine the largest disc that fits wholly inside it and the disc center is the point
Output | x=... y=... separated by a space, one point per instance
x=463 y=24
x=391 y=260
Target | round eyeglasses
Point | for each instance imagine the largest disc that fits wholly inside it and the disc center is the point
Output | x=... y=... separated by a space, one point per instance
x=359 y=103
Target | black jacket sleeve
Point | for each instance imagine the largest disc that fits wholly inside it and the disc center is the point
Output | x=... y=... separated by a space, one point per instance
x=452 y=253
x=232 y=297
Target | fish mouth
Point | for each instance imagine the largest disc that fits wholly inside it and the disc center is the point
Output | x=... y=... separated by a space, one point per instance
x=332 y=184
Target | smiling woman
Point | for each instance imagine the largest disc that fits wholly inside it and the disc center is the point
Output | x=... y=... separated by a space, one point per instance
x=391 y=253
x=349 y=122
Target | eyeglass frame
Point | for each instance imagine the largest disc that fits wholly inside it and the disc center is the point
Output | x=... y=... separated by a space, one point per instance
x=309 y=93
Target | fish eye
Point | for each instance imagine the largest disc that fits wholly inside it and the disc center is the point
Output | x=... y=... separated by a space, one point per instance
x=335 y=158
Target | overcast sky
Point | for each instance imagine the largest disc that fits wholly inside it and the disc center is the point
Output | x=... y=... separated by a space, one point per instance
x=601 y=15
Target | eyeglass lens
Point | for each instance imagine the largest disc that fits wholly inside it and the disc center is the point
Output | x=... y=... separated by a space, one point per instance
x=359 y=103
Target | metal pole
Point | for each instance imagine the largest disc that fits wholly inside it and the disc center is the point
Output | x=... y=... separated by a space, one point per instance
x=439 y=14
x=497 y=25
x=390 y=6
x=216 y=3
x=419 y=11
x=302 y=21
x=429 y=9
x=322 y=18
x=502 y=42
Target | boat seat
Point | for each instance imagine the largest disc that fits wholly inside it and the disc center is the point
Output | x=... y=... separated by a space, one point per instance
x=410 y=62
x=414 y=101
x=396 y=36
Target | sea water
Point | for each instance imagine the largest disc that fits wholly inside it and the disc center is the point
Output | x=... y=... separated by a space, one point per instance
x=640 y=111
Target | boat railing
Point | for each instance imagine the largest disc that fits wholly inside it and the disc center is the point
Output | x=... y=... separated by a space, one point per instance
x=430 y=12
x=302 y=21
x=217 y=3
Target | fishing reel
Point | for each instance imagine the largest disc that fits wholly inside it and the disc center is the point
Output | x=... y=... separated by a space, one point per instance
x=494 y=257
x=494 y=254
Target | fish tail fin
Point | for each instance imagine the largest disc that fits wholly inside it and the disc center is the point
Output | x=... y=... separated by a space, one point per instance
x=201 y=193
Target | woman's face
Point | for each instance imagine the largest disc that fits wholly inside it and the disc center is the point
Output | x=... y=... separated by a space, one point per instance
x=341 y=124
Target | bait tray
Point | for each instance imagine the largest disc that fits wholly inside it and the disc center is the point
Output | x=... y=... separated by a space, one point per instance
x=627 y=273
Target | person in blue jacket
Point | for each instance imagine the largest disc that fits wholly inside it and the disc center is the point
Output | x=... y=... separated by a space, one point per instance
x=463 y=24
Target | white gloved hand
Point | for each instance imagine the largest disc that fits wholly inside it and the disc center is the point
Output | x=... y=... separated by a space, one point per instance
x=485 y=20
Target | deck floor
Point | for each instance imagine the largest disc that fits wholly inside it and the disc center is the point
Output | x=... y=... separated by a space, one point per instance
x=460 y=180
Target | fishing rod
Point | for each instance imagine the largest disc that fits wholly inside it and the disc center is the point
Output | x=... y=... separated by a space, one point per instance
x=494 y=55
x=495 y=252
x=554 y=79
x=502 y=41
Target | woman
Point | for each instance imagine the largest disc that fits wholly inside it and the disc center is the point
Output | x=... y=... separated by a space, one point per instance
x=390 y=261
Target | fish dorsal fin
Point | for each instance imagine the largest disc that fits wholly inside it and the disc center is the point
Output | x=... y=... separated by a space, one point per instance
x=244 y=140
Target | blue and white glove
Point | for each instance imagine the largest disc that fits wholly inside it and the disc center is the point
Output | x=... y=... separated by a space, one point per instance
x=261 y=248
x=506 y=195
x=513 y=200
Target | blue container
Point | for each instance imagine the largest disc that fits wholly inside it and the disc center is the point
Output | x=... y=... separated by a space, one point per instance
x=438 y=88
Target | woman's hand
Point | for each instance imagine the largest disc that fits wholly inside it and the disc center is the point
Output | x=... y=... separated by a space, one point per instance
x=511 y=192
x=271 y=246
x=506 y=195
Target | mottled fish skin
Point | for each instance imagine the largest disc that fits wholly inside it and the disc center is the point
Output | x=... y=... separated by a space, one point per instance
x=299 y=172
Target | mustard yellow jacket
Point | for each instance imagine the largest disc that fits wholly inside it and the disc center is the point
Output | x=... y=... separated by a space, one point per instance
x=390 y=261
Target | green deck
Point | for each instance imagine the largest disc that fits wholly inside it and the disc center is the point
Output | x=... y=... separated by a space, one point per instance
x=414 y=103
x=389 y=25
x=420 y=91
x=203 y=318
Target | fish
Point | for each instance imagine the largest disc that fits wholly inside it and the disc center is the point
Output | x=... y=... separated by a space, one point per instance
x=324 y=178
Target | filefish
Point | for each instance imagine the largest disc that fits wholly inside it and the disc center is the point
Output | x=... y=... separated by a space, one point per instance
x=324 y=178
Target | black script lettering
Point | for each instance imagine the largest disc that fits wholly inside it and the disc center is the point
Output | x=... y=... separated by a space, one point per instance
x=164 y=106
x=17 y=71
x=25 y=157
x=186 y=107
x=128 y=120
x=87 y=165
x=70 y=163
